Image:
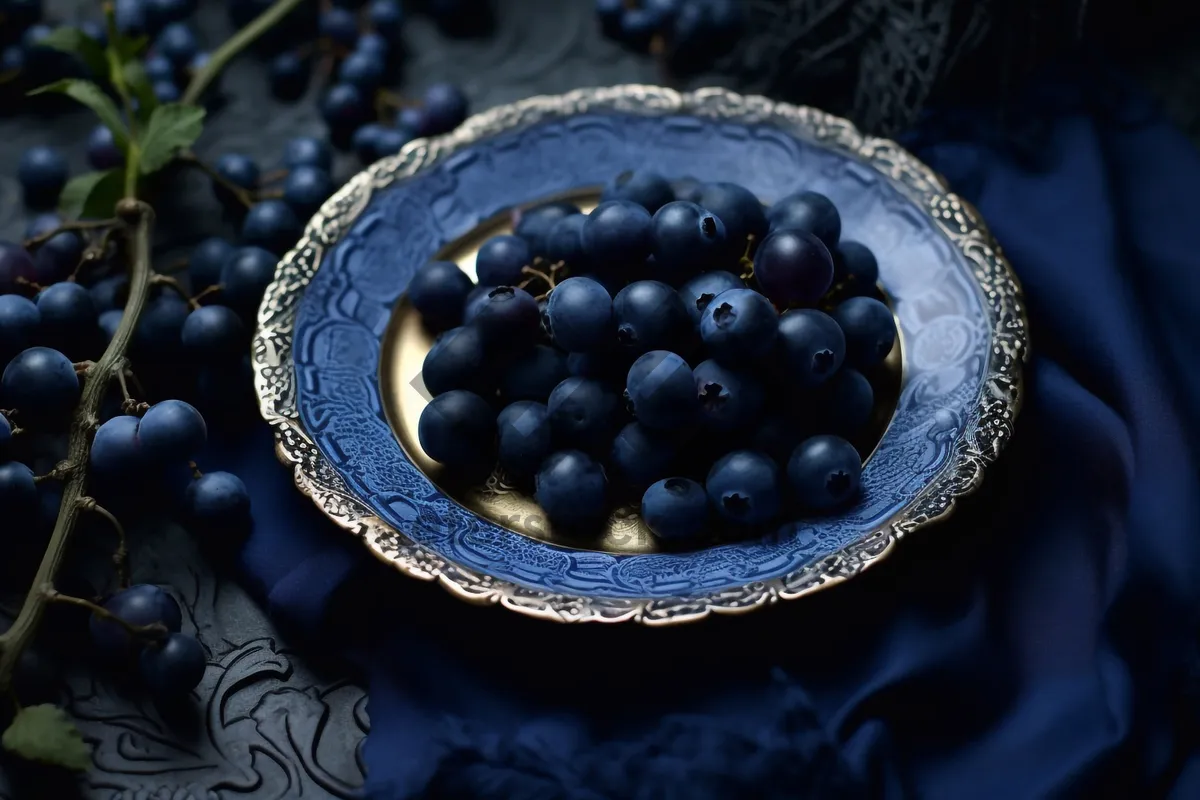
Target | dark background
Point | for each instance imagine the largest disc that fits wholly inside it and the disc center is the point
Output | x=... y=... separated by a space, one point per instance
x=268 y=721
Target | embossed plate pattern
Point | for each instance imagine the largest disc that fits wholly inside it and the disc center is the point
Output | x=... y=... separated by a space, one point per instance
x=317 y=349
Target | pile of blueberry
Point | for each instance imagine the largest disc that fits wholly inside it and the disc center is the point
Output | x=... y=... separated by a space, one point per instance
x=706 y=355
x=689 y=33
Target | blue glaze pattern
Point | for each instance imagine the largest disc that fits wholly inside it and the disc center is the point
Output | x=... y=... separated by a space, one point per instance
x=958 y=306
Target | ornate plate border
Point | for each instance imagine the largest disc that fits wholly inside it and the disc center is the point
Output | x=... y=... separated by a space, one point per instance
x=998 y=404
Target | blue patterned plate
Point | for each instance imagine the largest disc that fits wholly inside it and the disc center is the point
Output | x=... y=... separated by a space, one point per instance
x=335 y=347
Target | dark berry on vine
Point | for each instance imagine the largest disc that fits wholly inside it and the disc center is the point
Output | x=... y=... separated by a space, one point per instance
x=845 y=403
x=729 y=399
x=218 y=500
x=18 y=492
x=212 y=334
x=158 y=68
x=584 y=413
x=648 y=189
x=307 y=151
x=386 y=18
x=739 y=325
x=457 y=360
x=16 y=265
x=743 y=487
x=458 y=429
x=199 y=62
x=687 y=239
x=12 y=59
x=572 y=489
x=238 y=169
x=443 y=107
x=869 y=328
x=306 y=189
x=438 y=291
x=638 y=27
x=793 y=267
x=172 y=431
x=366 y=142
x=649 y=316
x=640 y=456
x=160 y=327
x=617 y=235
x=108 y=322
x=67 y=312
x=477 y=298
x=140 y=605
x=535 y=223
x=534 y=374
x=5 y=434
x=824 y=472
x=390 y=140
x=58 y=257
x=661 y=392
x=339 y=26
x=41 y=224
x=206 y=261
x=289 y=76
x=811 y=347
x=364 y=70
x=675 y=509
x=702 y=289
x=102 y=150
x=43 y=174
x=172 y=667
x=166 y=92
x=565 y=241
x=810 y=212
x=19 y=323
x=116 y=449
x=524 y=438
x=855 y=266
x=579 y=315
x=130 y=17
x=177 y=42
x=739 y=209
x=94 y=30
x=41 y=383
x=345 y=107
x=509 y=318
x=410 y=119
x=501 y=259
x=271 y=225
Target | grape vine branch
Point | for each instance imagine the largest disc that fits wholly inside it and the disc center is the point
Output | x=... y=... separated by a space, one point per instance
x=134 y=220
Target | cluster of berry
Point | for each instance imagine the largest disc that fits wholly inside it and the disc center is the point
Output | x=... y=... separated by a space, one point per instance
x=690 y=33
x=731 y=409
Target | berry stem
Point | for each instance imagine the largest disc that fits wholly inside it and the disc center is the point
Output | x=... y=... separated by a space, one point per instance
x=154 y=631
x=274 y=176
x=176 y=286
x=78 y=225
x=139 y=220
x=537 y=274
x=244 y=197
x=234 y=45
x=121 y=556
x=195 y=299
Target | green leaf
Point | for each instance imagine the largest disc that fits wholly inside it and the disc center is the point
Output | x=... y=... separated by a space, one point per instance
x=77 y=43
x=92 y=96
x=172 y=127
x=92 y=195
x=127 y=48
x=138 y=83
x=47 y=735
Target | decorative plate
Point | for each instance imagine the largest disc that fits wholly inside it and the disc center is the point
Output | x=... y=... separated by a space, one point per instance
x=337 y=353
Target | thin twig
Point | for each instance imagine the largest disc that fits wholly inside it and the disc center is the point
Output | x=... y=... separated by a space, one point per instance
x=121 y=557
x=78 y=225
x=176 y=286
x=537 y=274
x=273 y=176
x=195 y=300
x=243 y=196
x=96 y=251
x=154 y=631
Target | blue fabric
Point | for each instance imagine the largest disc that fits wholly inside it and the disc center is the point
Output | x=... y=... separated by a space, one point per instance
x=1040 y=643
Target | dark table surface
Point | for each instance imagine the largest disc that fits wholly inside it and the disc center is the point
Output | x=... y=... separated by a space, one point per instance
x=272 y=724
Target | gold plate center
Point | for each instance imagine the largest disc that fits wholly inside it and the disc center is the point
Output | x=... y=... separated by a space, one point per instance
x=405 y=345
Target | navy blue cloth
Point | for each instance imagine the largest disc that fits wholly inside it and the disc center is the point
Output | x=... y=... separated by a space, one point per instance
x=1040 y=643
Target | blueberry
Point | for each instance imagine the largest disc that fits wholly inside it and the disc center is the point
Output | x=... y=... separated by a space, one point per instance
x=238 y=169
x=535 y=223
x=16 y=265
x=375 y=44
x=18 y=491
x=102 y=150
x=869 y=328
x=172 y=431
x=306 y=189
x=650 y=315
x=572 y=489
x=675 y=509
x=445 y=107
x=245 y=276
x=161 y=12
x=534 y=374
x=648 y=189
x=159 y=68
x=117 y=453
x=617 y=235
x=364 y=70
x=160 y=328
x=458 y=429
x=810 y=212
x=288 y=72
x=390 y=140
x=700 y=291
x=661 y=391
x=272 y=225
x=206 y=260
x=565 y=241
x=366 y=142
x=345 y=107
x=172 y=667
x=579 y=315
x=438 y=291
x=687 y=239
x=307 y=151
x=824 y=472
x=457 y=360
x=40 y=383
x=501 y=259
x=411 y=119
x=609 y=12
x=165 y=92
x=509 y=318
x=739 y=325
x=639 y=455
x=638 y=27
x=812 y=346
x=12 y=59
x=793 y=268
x=19 y=323
x=476 y=299
x=5 y=434
x=737 y=207
x=177 y=43
x=524 y=438
x=387 y=18
x=583 y=413
x=58 y=257
x=67 y=312
x=140 y=604
x=845 y=403
x=43 y=174
x=855 y=266
x=42 y=224
x=728 y=399
x=743 y=487
x=213 y=334
x=218 y=499
x=109 y=321
x=339 y=26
